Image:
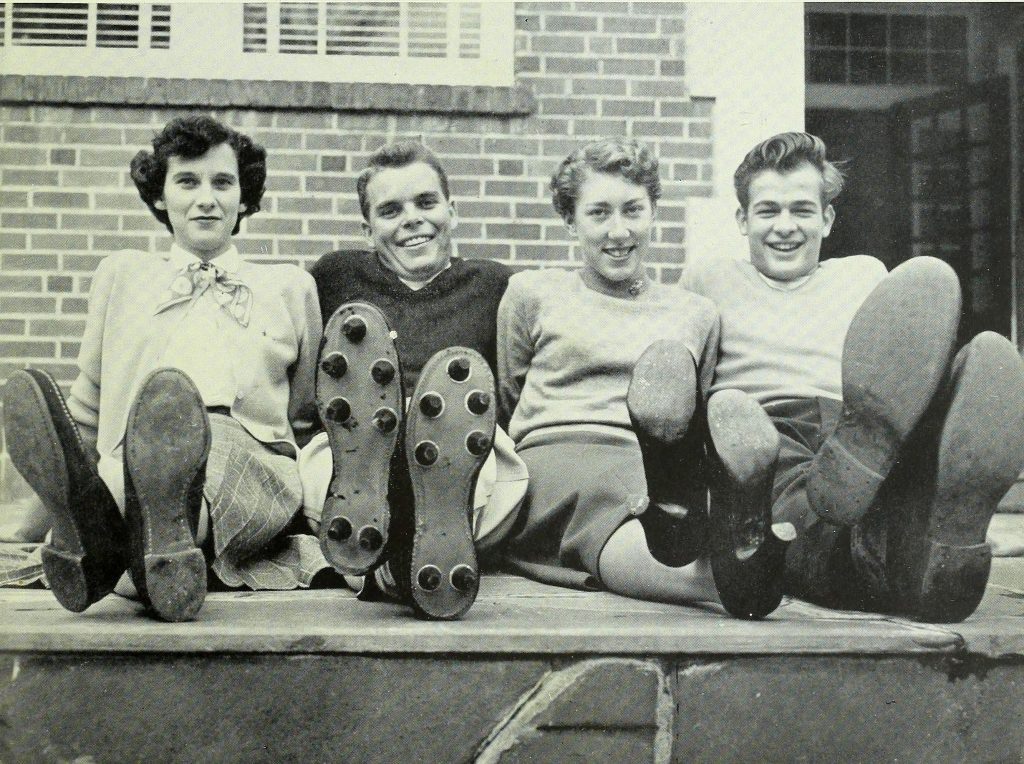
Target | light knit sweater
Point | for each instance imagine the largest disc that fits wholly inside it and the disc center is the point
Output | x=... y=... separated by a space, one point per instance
x=784 y=344
x=272 y=360
x=566 y=352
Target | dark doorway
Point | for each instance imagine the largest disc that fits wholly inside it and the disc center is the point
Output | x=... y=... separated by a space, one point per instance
x=930 y=176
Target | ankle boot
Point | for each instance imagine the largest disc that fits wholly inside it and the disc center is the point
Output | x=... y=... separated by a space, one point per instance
x=88 y=548
x=166 y=446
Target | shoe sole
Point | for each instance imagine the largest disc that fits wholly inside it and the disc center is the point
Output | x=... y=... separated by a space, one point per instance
x=167 y=442
x=747 y=558
x=662 y=400
x=981 y=454
x=87 y=552
x=897 y=351
x=445 y=451
x=363 y=419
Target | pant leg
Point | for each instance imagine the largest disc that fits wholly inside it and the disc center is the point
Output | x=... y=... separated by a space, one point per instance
x=254 y=493
x=827 y=564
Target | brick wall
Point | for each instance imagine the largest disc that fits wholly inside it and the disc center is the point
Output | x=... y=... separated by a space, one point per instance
x=595 y=69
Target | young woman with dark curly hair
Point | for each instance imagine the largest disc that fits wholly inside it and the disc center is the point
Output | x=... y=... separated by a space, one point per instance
x=175 y=450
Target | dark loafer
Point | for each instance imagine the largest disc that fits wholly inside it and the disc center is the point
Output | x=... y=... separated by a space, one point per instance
x=449 y=434
x=896 y=354
x=88 y=549
x=361 y=403
x=166 y=445
x=747 y=557
x=662 y=400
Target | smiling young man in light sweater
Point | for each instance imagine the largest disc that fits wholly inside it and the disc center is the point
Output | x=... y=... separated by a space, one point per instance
x=896 y=449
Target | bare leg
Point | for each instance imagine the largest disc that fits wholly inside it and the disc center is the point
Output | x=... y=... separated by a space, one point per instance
x=627 y=567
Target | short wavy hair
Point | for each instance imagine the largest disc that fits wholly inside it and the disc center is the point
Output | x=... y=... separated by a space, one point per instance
x=190 y=137
x=394 y=155
x=626 y=157
x=783 y=153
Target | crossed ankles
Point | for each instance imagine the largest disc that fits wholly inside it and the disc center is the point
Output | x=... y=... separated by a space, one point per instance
x=425 y=538
x=166 y=445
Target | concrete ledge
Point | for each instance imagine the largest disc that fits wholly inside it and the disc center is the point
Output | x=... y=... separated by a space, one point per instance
x=308 y=96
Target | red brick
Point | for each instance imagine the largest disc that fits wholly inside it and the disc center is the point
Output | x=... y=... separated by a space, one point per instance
x=63 y=156
x=28 y=220
x=685 y=150
x=671 y=234
x=570 y=65
x=484 y=250
x=10 y=283
x=598 y=86
x=528 y=22
x=469 y=166
x=63 y=242
x=526 y=146
x=527 y=64
x=627 y=66
x=509 y=188
x=670 y=129
x=48 y=327
x=35 y=178
x=13 y=240
x=629 y=24
x=534 y=210
x=541 y=252
x=659 y=89
x=599 y=127
x=280 y=226
x=92 y=178
x=668 y=213
x=70 y=349
x=11 y=326
x=556 y=44
x=699 y=129
x=333 y=141
x=570 y=23
x=279 y=161
x=86 y=263
x=642 y=45
x=112 y=243
x=668 y=25
x=10 y=199
x=30 y=157
x=513 y=231
x=59 y=199
x=611 y=107
x=92 y=135
x=74 y=305
x=59 y=283
x=303 y=204
x=330 y=185
x=106 y=157
x=602 y=46
x=12 y=304
x=476 y=209
x=31 y=134
x=319 y=227
x=17 y=349
x=88 y=221
x=684 y=171
x=510 y=167
x=28 y=262
x=567 y=106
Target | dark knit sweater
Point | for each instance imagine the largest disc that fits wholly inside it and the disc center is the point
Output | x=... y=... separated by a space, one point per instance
x=459 y=307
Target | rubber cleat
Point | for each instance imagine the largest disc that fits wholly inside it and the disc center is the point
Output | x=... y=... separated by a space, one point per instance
x=166 y=445
x=478 y=402
x=88 y=547
x=978 y=456
x=363 y=434
x=443 y=471
x=340 y=529
x=382 y=371
x=431 y=404
x=385 y=420
x=662 y=400
x=897 y=352
x=334 y=364
x=338 y=410
x=354 y=328
x=747 y=557
x=458 y=369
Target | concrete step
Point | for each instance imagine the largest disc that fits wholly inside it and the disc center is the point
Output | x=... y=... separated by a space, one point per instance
x=534 y=673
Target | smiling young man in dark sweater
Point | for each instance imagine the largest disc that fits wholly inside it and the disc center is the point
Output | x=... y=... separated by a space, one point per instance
x=411 y=302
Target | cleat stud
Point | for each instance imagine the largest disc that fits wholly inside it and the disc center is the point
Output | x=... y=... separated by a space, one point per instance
x=477 y=443
x=385 y=420
x=429 y=578
x=426 y=453
x=382 y=371
x=458 y=369
x=432 y=404
x=334 y=364
x=463 y=578
x=340 y=529
x=370 y=539
x=478 y=402
x=339 y=410
x=354 y=328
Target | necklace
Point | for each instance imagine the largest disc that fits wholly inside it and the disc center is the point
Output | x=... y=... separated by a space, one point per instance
x=637 y=287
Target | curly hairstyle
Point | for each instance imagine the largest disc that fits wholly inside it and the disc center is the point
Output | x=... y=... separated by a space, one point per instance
x=783 y=153
x=190 y=137
x=626 y=157
x=393 y=155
